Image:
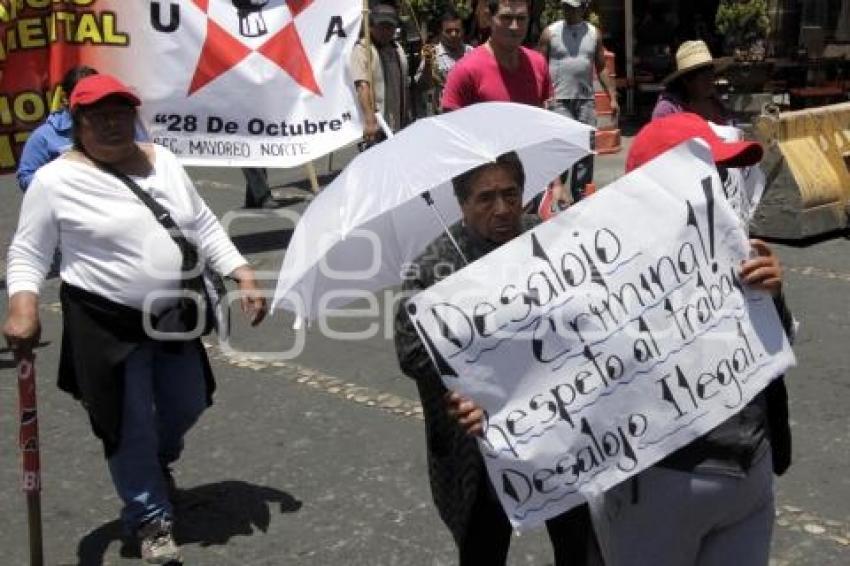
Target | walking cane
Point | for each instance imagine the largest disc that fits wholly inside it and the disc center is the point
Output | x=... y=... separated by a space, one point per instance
x=30 y=452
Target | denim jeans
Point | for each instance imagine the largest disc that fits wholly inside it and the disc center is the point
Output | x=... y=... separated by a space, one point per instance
x=164 y=394
x=583 y=111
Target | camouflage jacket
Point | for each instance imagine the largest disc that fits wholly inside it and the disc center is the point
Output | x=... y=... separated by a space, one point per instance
x=455 y=465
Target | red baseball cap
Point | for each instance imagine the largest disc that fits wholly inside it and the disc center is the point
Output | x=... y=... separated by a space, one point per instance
x=94 y=88
x=666 y=133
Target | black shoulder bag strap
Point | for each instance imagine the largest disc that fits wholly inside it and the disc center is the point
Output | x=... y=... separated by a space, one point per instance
x=187 y=248
x=197 y=276
x=185 y=317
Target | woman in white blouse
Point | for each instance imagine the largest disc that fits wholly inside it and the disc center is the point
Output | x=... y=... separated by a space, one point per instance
x=142 y=395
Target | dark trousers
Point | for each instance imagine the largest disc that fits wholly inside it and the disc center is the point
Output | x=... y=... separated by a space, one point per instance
x=580 y=176
x=488 y=536
x=256 y=186
x=583 y=111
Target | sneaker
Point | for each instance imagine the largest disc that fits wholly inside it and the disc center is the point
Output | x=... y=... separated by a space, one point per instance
x=267 y=202
x=157 y=543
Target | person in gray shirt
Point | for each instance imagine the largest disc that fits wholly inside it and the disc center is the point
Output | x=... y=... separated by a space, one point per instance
x=573 y=47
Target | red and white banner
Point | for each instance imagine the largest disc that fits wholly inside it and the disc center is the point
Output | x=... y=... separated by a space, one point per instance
x=223 y=82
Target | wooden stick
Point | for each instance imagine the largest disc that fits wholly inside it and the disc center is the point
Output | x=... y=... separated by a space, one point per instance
x=29 y=445
x=34 y=520
x=367 y=41
x=314 y=178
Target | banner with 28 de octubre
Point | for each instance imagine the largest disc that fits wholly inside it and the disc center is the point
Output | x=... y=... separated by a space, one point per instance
x=222 y=82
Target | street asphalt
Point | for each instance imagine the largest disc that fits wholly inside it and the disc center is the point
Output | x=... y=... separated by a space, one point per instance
x=320 y=459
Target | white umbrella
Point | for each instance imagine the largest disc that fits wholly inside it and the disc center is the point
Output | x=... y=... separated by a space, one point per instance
x=361 y=230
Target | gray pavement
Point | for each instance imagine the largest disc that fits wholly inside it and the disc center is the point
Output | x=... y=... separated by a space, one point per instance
x=320 y=459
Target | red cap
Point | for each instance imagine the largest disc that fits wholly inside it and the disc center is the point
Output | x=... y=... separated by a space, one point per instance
x=94 y=88
x=666 y=133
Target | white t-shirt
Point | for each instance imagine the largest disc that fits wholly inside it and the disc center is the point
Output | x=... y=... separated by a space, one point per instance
x=111 y=243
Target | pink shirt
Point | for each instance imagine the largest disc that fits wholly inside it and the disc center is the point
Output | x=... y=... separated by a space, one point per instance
x=478 y=77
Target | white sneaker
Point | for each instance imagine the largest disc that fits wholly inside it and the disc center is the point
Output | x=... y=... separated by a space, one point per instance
x=158 y=546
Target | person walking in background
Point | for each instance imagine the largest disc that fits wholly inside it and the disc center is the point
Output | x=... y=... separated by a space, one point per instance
x=121 y=272
x=257 y=191
x=573 y=48
x=691 y=87
x=479 y=29
x=502 y=70
x=380 y=74
x=53 y=137
x=449 y=49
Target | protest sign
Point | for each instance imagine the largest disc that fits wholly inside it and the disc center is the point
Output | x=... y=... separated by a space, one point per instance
x=223 y=82
x=605 y=339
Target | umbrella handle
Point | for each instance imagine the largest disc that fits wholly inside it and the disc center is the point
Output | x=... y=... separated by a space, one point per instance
x=429 y=200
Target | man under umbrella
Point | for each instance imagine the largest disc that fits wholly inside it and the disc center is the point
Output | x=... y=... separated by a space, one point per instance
x=490 y=198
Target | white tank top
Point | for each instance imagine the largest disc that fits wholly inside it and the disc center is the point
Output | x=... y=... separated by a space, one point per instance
x=572 y=50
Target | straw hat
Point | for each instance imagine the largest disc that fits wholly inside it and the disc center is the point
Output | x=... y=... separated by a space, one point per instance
x=693 y=55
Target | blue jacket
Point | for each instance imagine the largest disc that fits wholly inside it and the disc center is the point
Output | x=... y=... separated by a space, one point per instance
x=44 y=145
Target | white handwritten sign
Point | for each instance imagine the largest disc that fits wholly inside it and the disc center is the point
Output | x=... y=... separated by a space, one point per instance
x=607 y=338
x=744 y=186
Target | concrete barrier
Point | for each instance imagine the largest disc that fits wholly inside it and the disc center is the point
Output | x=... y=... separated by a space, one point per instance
x=807 y=189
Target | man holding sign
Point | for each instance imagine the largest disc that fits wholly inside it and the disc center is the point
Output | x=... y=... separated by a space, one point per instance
x=490 y=197
x=710 y=502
